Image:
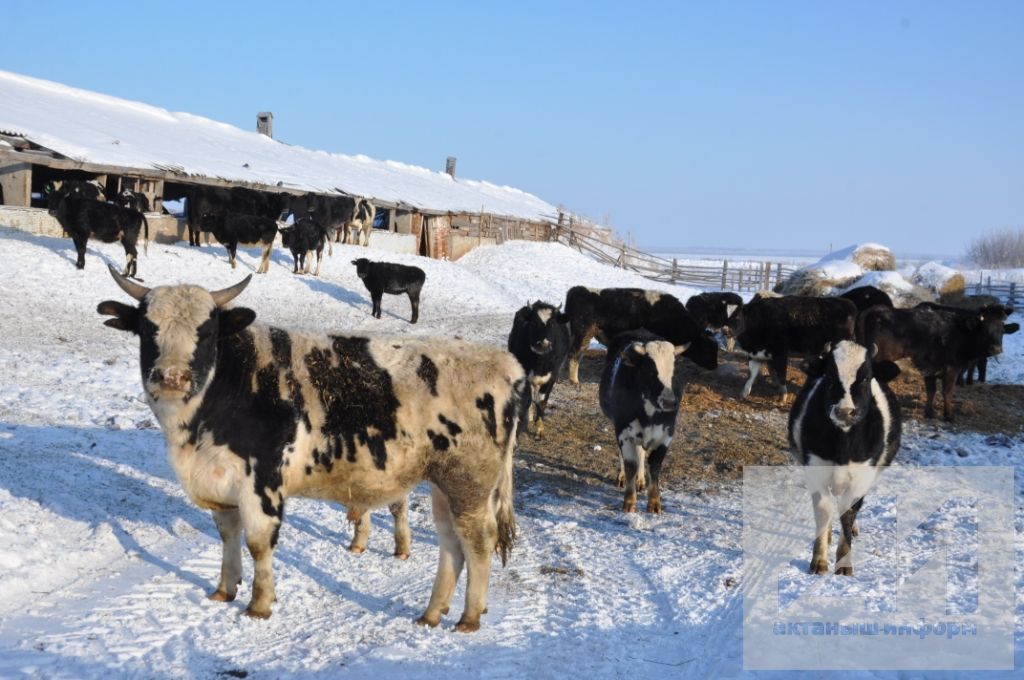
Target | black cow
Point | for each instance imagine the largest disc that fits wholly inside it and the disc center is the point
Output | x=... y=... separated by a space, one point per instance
x=85 y=218
x=843 y=428
x=539 y=339
x=865 y=297
x=204 y=200
x=233 y=228
x=713 y=310
x=302 y=237
x=388 y=277
x=134 y=200
x=611 y=311
x=254 y=415
x=940 y=340
x=770 y=330
x=333 y=212
x=979 y=365
x=640 y=394
x=72 y=188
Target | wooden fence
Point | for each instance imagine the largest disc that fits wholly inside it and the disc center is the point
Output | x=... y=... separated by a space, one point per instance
x=735 y=276
x=1008 y=291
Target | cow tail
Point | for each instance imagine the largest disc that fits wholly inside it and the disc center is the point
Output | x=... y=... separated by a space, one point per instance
x=504 y=511
x=145 y=243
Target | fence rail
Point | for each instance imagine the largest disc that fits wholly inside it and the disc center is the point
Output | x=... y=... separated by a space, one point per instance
x=1010 y=292
x=736 y=276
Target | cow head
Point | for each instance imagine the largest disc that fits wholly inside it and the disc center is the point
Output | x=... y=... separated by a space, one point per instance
x=362 y=267
x=540 y=321
x=653 y=363
x=846 y=373
x=178 y=329
x=986 y=328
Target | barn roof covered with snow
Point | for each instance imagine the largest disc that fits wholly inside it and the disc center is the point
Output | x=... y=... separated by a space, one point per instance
x=95 y=129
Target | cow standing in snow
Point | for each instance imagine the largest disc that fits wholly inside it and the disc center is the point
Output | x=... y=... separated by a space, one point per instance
x=393 y=279
x=844 y=427
x=640 y=394
x=254 y=415
x=302 y=238
x=540 y=341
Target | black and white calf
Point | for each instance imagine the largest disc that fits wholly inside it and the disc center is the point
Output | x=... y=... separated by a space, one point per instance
x=640 y=394
x=85 y=218
x=540 y=341
x=303 y=237
x=254 y=415
x=230 y=229
x=844 y=427
x=358 y=228
x=391 y=278
x=133 y=199
x=713 y=310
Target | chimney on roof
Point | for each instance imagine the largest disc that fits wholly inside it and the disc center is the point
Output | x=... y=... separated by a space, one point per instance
x=265 y=123
x=449 y=166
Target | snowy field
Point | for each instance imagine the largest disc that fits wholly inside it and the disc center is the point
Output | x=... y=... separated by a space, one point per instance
x=104 y=564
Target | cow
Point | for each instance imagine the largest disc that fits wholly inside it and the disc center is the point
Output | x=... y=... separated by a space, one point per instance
x=865 y=297
x=539 y=339
x=391 y=278
x=85 y=218
x=303 y=237
x=770 y=330
x=233 y=228
x=941 y=341
x=72 y=188
x=640 y=394
x=605 y=313
x=713 y=310
x=254 y=415
x=203 y=200
x=358 y=228
x=844 y=427
x=966 y=376
x=133 y=199
x=333 y=212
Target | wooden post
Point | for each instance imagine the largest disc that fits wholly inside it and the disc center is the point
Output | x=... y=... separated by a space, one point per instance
x=675 y=266
x=725 y=272
x=16 y=184
x=739 y=279
x=1013 y=294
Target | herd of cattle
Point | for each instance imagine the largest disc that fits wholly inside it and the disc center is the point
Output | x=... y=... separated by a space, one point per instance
x=254 y=415
x=233 y=216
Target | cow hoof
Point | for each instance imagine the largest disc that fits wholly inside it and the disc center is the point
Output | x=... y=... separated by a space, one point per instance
x=256 y=614
x=620 y=481
x=444 y=612
x=629 y=506
x=819 y=566
x=220 y=596
x=356 y=549
x=401 y=555
x=855 y=530
x=654 y=507
x=844 y=571
x=430 y=623
x=464 y=626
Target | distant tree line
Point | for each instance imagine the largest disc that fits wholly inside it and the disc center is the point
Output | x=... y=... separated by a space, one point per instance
x=999 y=249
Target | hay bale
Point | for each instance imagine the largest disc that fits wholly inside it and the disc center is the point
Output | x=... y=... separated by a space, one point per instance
x=838 y=270
x=872 y=257
x=944 y=281
x=902 y=292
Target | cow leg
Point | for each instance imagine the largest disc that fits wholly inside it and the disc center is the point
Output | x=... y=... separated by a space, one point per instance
x=131 y=257
x=641 y=468
x=755 y=368
x=232 y=251
x=261 y=532
x=929 y=396
x=778 y=365
x=948 y=379
x=450 y=561
x=414 y=300
x=376 y=304
x=403 y=536
x=229 y=525
x=361 y=534
x=478 y=532
x=630 y=462
x=654 y=494
x=848 y=520
x=576 y=351
x=542 y=405
x=822 y=503
x=982 y=369
x=80 y=242
x=265 y=260
x=319 y=259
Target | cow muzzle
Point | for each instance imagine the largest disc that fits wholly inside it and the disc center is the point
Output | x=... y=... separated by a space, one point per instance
x=844 y=416
x=171 y=379
x=542 y=347
x=667 y=400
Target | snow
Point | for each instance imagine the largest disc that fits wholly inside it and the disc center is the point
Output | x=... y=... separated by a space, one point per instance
x=92 y=127
x=105 y=564
x=880 y=280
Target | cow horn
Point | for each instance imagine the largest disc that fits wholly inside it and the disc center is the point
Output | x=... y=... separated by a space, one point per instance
x=222 y=297
x=682 y=348
x=135 y=290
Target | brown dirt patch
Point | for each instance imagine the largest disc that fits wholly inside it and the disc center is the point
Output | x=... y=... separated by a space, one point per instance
x=717 y=434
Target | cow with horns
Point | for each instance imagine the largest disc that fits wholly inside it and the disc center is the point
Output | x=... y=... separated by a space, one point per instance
x=254 y=415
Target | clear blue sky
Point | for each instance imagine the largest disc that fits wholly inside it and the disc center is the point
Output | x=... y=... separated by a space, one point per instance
x=731 y=124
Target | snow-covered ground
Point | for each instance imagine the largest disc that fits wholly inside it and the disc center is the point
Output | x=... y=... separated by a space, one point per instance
x=104 y=564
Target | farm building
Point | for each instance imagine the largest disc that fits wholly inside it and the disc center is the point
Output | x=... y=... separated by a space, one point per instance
x=51 y=132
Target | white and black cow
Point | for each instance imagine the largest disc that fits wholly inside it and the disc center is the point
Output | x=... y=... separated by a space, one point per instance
x=85 y=218
x=136 y=200
x=771 y=329
x=713 y=310
x=640 y=394
x=539 y=339
x=255 y=415
x=606 y=313
x=333 y=212
x=844 y=427
x=232 y=228
x=302 y=238
x=393 y=279
x=358 y=228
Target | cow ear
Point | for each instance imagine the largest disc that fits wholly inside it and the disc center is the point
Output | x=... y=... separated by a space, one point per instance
x=235 y=319
x=633 y=352
x=814 y=367
x=1010 y=328
x=682 y=348
x=884 y=371
x=126 y=317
